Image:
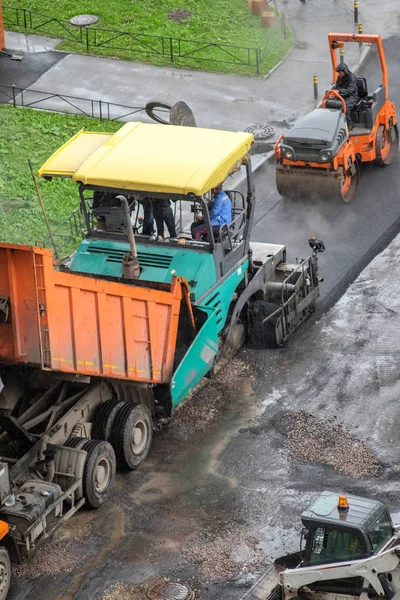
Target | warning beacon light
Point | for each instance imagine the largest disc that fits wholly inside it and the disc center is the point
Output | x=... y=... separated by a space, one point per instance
x=342 y=502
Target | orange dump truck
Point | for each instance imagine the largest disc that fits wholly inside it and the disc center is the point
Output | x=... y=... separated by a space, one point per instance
x=84 y=325
x=70 y=347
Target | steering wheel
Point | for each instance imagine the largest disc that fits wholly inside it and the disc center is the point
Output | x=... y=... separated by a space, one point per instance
x=330 y=94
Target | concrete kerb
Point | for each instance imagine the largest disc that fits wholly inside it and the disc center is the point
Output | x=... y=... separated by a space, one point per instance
x=288 y=53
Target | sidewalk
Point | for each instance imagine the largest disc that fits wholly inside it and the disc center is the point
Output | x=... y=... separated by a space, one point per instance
x=217 y=100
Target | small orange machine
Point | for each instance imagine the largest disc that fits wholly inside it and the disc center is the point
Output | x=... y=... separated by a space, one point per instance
x=319 y=156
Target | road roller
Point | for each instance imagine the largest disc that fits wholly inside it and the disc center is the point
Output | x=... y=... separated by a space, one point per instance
x=320 y=156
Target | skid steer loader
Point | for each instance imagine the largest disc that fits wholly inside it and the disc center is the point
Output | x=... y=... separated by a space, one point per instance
x=349 y=549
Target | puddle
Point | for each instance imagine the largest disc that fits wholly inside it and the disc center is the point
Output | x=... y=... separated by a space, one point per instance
x=199 y=459
x=115 y=522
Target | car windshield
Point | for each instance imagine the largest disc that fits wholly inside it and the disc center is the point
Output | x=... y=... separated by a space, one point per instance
x=380 y=531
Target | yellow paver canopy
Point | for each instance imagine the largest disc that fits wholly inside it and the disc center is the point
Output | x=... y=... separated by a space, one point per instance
x=153 y=158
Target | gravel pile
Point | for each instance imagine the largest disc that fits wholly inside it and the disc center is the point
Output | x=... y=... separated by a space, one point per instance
x=128 y=591
x=227 y=555
x=59 y=554
x=329 y=443
x=235 y=368
x=205 y=405
x=201 y=408
x=52 y=558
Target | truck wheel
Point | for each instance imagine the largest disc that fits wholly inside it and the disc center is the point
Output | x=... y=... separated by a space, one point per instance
x=132 y=435
x=104 y=419
x=263 y=335
x=76 y=442
x=386 y=145
x=5 y=573
x=98 y=472
x=276 y=593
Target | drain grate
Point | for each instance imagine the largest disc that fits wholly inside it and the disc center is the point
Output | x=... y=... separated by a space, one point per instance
x=170 y=590
x=261 y=132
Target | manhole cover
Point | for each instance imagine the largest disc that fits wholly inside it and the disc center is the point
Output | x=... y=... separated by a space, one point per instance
x=83 y=20
x=261 y=132
x=170 y=590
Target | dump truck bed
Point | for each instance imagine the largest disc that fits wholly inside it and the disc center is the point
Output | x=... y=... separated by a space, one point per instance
x=77 y=323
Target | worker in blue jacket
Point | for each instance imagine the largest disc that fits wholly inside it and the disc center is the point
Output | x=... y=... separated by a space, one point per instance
x=220 y=211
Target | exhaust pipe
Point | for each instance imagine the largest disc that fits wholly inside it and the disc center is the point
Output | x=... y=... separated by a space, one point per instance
x=130 y=263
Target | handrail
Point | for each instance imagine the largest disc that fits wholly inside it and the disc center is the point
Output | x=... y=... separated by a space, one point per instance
x=230 y=227
x=89 y=107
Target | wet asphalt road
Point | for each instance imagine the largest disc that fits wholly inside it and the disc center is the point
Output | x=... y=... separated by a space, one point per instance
x=25 y=72
x=223 y=495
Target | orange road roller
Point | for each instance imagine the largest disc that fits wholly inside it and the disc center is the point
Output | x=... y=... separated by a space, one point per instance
x=320 y=156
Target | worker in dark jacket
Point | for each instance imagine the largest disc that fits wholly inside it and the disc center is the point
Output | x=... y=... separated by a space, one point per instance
x=148 y=217
x=346 y=85
x=163 y=214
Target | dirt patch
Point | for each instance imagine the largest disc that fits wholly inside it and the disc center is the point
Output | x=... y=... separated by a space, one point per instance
x=327 y=442
x=179 y=15
x=226 y=555
x=13 y=203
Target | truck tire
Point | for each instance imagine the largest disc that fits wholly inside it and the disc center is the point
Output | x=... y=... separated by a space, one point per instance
x=5 y=573
x=132 y=435
x=76 y=442
x=104 y=419
x=263 y=335
x=152 y=106
x=276 y=593
x=98 y=473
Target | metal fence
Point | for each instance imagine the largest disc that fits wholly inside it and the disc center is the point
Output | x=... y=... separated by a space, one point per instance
x=66 y=235
x=173 y=49
x=87 y=107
